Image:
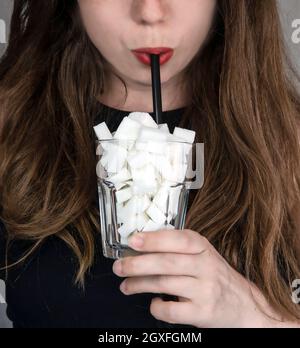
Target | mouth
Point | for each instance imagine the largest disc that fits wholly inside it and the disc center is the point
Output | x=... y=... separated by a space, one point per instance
x=144 y=54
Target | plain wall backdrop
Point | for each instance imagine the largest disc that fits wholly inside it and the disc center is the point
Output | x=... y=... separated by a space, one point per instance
x=290 y=11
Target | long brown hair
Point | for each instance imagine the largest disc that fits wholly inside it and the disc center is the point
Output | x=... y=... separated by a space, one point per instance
x=244 y=107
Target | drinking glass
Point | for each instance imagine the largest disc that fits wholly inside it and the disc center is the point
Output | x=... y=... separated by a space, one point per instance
x=144 y=186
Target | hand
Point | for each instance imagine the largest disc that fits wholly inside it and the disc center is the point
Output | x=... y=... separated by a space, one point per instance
x=183 y=263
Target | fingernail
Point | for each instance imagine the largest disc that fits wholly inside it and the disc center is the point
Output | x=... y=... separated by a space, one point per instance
x=117 y=267
x=123 y=287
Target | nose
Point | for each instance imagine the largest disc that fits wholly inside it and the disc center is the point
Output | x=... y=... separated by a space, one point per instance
x=149 y=12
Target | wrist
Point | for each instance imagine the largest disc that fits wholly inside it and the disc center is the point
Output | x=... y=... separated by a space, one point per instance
x=263 y=315
x=259 y=312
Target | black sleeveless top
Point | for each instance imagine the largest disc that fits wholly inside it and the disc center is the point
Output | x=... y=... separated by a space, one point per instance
x=41 y=292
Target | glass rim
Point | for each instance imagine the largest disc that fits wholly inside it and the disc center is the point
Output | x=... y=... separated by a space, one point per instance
x=98 y=141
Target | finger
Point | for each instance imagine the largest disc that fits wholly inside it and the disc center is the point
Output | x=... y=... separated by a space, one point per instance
x=173 y=312
x=176 y=241
x=158 y=264
x=182 y=286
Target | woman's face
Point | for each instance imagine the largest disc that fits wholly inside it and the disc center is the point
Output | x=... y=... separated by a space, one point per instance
x=116 y=27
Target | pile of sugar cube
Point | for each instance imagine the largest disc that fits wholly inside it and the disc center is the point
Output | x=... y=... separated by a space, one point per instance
x=147 y=166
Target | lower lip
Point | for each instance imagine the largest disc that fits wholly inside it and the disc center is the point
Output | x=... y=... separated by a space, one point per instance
x=146 y=59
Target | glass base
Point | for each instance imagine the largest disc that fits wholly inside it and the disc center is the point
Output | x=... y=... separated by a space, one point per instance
x=119 y=251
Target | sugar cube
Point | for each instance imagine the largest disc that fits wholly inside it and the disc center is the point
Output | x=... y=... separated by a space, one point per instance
x=164 y=128
x=120 y=177
x=143 y=118
x=102 y=131
x=185 y=134
x=123 y=195
x=128 y=129
x=151 y=134
x=156 y=214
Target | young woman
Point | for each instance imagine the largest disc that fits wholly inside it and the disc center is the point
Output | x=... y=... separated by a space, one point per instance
x=70 y=65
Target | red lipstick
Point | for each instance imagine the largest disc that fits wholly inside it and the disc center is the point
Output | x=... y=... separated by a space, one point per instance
x=143 y=54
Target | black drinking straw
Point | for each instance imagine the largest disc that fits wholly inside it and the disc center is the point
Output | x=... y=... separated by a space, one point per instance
x=157 y=108
x=156 y=87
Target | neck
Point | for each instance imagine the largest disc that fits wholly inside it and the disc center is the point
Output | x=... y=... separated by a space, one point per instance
x=139 y=96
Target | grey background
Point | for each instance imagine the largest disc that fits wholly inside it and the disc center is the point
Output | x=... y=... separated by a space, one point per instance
x=290 y=10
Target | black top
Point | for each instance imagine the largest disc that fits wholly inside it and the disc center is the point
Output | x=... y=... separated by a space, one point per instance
x=41 y=292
